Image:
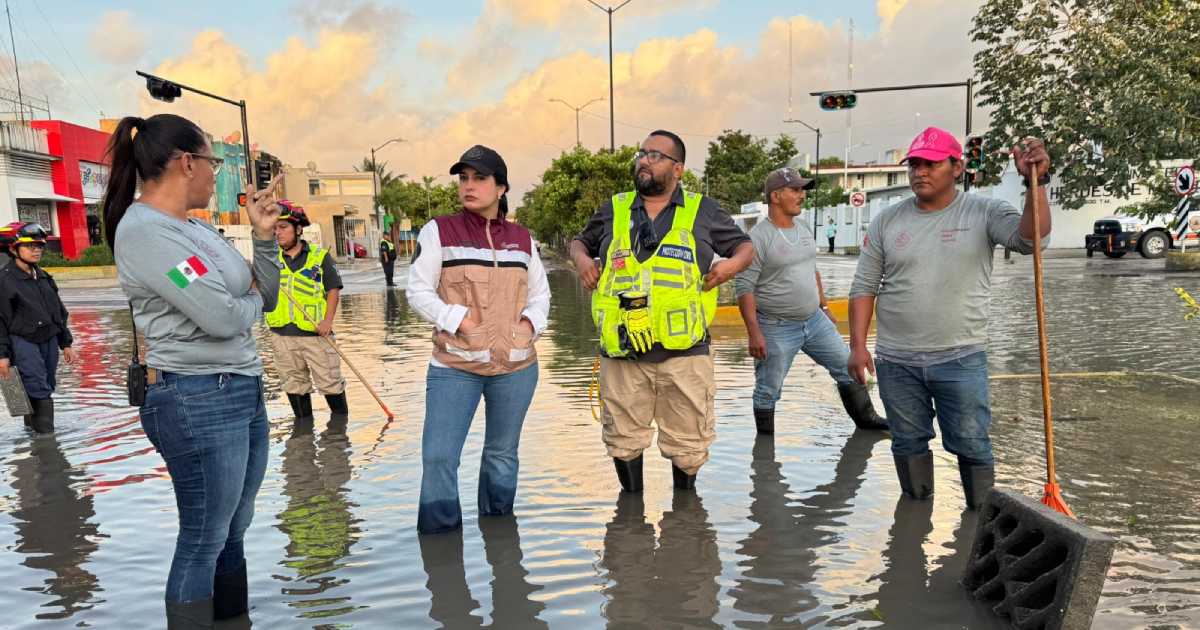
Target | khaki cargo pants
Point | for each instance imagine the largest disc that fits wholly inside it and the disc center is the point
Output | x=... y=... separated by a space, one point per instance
x=302 y=361
x=677 y=393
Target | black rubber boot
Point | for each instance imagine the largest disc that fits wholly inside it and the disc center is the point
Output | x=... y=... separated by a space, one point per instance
x=629 y=473
x=196 y=615
x=683 y=481
x=916 y=474
x=301 y=405
x=231 y=594
x=764 y=419
x=857 y=402
x=337 y=404
x=43 y=415
x=977 y=481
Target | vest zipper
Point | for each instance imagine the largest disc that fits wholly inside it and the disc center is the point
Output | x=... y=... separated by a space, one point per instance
x=487 y=230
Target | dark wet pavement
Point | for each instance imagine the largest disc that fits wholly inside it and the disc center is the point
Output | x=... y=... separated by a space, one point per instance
x=801 y=530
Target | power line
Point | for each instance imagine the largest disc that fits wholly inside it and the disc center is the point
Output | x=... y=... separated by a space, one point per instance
x=70 y=57
x=54 y=67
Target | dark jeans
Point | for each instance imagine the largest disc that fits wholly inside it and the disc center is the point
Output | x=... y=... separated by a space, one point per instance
x=211 y=430
x=451 y=397
x=956 y=392
x=37 y=362
x=831 y=239
x=388 y=269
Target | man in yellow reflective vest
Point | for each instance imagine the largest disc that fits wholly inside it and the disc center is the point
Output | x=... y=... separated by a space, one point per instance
x=653 y=298
x=387 y=258
x=310 y=277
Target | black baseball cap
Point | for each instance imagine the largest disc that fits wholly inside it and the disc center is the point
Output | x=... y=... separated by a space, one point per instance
x=484 y=160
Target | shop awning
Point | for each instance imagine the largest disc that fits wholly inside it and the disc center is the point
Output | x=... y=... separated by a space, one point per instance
x=44 y=196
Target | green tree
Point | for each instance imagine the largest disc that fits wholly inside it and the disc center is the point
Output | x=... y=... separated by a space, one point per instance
x=572 y=188
x=419 y=201
x=831 y=161
x=738 y=163
x=1113 y=87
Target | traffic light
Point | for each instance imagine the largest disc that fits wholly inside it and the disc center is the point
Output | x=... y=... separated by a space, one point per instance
x=830 y=101
x=162 y=89
x=973 y=155
x=262 y=173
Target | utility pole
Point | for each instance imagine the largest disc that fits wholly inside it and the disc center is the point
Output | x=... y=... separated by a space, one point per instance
x=576 y=110
x=816 y=168
x=375 y=180
x=16 y=66
x=612 y=115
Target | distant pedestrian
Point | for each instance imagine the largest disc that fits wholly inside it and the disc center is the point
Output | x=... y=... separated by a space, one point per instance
x=33 y=325
x=830 y=231
x=925 y=271
x=387 y=258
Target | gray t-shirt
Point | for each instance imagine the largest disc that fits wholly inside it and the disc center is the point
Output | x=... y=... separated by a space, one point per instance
x=191 y=294
x=783 y=274
x=931 y=272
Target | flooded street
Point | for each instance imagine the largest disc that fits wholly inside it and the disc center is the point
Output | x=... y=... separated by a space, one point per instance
x=804 y=529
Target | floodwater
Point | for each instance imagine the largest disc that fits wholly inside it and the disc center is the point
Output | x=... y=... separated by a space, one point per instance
x=801 y=530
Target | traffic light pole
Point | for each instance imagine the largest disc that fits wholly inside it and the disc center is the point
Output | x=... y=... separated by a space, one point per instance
x=239 y=104
x=816 y=169
x=969 y=84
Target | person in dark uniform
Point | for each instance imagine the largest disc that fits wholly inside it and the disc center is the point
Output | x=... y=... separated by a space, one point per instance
x=33 y=325
x=387 y=256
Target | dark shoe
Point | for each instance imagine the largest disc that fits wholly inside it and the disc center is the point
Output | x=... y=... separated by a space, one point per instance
x=337 y=403
x=977 y=481
x=916 y=474
x=857 y=402
x=230 y=594
x=683 y=481
x=42 y=419
x=195 y=615
x=629 y=473
x=301 y=405
x=764 y=419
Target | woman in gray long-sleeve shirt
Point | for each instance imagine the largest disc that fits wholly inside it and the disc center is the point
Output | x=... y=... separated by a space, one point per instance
x=195 y=300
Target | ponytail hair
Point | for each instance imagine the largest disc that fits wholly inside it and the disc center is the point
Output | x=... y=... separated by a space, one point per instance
x=139 y=150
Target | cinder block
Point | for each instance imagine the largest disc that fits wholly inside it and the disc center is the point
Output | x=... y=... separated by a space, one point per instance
x=1037 y=568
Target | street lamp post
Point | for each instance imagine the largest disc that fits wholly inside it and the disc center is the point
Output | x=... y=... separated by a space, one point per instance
x=612 y=115
x=577 y=110
x=167 y=91
x=428 y=194
x=816 y=168
x=375 y=181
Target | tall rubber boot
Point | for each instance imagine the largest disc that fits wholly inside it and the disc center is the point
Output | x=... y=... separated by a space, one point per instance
x=857 y=401
x=629 y=473
x=764 y=419
x=194 y=615
x=43 y=414
x=916 y=474
x=231 y=594
x=683 y=481
x=301 y=405
x=339 y=411
x=977 y=481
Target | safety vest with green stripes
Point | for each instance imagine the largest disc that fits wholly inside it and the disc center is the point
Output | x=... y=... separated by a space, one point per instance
x=680 y=310
x=307 y=289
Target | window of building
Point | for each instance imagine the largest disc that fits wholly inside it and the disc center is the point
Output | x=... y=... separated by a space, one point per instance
x=314 y=187
x=893 y=179
x=34 y=212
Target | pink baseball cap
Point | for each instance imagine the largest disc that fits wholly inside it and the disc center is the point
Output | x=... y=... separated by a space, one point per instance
x=934 y=145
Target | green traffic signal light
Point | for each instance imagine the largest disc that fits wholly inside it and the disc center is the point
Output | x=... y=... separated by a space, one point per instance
x=830 y=101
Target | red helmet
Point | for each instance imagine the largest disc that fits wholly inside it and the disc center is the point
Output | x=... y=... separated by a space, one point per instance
x=289 y=211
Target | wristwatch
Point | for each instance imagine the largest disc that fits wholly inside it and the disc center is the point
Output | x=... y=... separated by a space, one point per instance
x=1042 y=181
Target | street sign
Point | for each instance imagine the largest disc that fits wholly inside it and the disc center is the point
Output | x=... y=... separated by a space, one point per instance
x=858 y=199
x=1185 y=181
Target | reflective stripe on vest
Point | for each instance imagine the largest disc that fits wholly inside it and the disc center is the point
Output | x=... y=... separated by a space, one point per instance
x=680 y=310
x=306 y=287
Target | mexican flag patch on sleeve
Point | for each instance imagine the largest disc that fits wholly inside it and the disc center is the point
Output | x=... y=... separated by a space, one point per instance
x=187 y=272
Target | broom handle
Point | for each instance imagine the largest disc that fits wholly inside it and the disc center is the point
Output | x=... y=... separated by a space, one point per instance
x=1043 y=351
x=345 y=358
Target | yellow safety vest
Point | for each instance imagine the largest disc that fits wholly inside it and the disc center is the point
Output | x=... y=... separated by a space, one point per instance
x=680 y=310
x=307 y=287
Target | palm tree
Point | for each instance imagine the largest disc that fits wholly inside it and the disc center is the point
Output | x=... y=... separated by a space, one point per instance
x=385 y=176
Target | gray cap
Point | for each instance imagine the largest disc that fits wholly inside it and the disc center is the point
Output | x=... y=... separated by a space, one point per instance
x=785 y=177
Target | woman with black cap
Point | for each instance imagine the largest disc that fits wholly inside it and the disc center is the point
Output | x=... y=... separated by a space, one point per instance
x=33 y=325
x=477 y=278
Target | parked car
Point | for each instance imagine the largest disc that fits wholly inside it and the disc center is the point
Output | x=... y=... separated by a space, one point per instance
x=359 y=250
x=1117 y=235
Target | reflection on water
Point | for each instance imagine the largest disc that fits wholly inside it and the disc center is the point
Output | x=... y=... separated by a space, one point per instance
x=802 y=529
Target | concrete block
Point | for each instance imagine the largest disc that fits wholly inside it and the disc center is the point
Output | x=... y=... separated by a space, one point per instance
x=1037 y=568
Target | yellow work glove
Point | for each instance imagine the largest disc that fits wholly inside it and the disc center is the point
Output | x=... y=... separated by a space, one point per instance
x=635 y=314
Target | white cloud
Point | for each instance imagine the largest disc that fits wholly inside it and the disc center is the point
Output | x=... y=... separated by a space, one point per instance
x=116 y=39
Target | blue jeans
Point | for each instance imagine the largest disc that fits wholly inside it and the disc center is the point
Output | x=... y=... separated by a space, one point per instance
x=212 y=431
x=38 y=363
x=816 y=336
x=955 y=391
x=451 y=397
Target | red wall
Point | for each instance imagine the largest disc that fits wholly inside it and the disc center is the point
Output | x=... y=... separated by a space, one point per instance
x=73 y=144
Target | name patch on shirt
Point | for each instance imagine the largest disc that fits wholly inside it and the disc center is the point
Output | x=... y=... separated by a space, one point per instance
x=677 y=252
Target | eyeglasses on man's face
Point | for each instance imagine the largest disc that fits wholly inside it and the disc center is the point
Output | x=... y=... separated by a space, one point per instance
x=652 y=156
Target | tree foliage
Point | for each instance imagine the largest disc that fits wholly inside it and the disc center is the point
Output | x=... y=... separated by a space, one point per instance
x=419 y=201
x=738 y=163
x=1113 y=86
x=575 y=185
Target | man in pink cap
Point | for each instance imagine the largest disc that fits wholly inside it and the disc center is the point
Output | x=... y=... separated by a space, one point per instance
x=925 y=271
